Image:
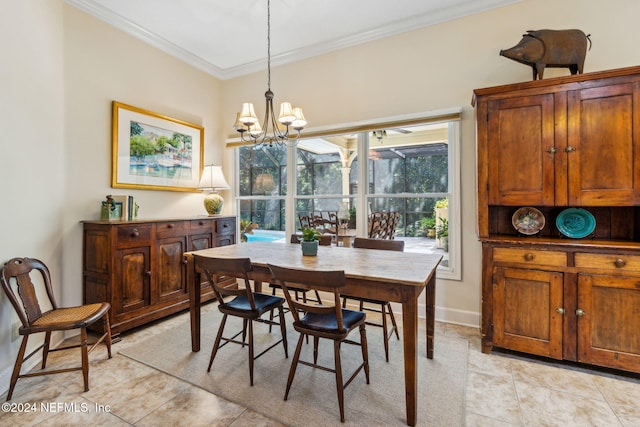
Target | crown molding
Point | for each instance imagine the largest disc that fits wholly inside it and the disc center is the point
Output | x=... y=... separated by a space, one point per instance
x=395 y=28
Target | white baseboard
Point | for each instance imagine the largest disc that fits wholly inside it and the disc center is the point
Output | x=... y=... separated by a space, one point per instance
x=445 y=315
x=457 y=317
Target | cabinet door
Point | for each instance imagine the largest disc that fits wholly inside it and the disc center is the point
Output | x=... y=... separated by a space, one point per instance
x=132 y=275
x=171 y=272
x=604 y=139
x=609 y=321
x=521 y=151
x=525 y=317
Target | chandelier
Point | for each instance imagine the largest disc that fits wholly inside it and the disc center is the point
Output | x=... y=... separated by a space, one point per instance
x=272 y=131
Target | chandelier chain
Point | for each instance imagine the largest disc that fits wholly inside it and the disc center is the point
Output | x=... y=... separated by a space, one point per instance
x=272 y=131
x=269 y=44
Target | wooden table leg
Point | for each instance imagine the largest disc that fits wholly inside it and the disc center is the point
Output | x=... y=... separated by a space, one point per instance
x=194 y=303
x=431 y=314
x=410 y=339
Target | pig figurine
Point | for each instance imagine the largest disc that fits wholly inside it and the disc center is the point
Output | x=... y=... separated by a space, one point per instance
x=550 y=48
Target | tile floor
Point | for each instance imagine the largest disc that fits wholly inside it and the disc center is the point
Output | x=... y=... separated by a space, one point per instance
x=502 y=390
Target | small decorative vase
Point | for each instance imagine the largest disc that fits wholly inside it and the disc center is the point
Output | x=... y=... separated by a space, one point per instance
x=309 y=248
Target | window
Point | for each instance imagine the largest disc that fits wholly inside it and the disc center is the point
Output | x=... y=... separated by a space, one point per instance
x=411 y=174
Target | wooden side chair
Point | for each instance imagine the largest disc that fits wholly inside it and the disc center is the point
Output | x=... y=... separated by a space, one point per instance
x=322 y=321
x=246 y=304
x=325 y=240
x=385 y=306
x=21 y=274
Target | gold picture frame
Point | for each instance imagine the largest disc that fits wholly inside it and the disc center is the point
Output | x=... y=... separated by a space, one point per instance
x=154 y=152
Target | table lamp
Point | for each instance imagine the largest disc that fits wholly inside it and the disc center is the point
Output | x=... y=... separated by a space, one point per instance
x=213 y=179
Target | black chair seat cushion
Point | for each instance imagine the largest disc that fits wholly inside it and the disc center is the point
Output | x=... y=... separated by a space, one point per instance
x=329 y=323
x=263 y=303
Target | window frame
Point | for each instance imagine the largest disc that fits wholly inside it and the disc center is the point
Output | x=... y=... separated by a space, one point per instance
x=452 y=116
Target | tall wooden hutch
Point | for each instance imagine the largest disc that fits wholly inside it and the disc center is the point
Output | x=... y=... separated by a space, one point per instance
x=553 y=144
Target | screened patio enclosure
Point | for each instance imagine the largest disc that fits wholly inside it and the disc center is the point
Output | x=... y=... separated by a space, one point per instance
x=407 y=171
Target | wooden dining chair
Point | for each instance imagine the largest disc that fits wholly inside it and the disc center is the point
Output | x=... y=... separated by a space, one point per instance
x=322 y=321
x=325 y=240
x=385 y=306
x=27 y=275
x=246 y=304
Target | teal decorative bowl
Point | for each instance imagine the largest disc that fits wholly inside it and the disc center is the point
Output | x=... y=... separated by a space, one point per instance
x=575 y=223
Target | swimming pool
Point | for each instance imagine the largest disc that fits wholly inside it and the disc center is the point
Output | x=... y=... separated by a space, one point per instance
x=265 y=236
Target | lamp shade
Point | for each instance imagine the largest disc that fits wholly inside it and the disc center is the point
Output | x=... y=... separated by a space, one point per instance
x=212 y=180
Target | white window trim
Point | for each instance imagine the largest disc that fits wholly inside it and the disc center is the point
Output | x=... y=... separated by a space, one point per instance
x=454 y=271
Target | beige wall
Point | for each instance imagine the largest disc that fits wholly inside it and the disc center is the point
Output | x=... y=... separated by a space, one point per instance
x=62 y=68
x=33 y=157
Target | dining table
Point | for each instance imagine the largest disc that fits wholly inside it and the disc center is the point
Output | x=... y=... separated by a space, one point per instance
x=376 y=274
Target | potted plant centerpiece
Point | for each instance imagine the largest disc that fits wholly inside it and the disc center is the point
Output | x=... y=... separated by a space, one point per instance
x=310 y=241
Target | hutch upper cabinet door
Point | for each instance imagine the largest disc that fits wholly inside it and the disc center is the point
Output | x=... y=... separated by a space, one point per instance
x=604 y=145
x=521 y=151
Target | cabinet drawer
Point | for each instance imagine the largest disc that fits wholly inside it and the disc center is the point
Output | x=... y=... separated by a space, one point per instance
x=171 y=228
x=614 y=262
x=225 y=226
x=134 y=234
x=530 y=256
x=201 y=225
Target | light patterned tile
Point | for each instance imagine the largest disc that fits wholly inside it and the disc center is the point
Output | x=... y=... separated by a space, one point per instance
x=619 y=391
x=493 y=397
x=490 y=364
x=253 y=419
x=475 y=420
x=134 y=399
x=193 y=407
x=555 y=377
x=81 y=412
x=543 y=406
x=30 y=396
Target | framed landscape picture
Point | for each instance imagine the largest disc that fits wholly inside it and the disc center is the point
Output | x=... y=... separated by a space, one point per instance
x=154 y=152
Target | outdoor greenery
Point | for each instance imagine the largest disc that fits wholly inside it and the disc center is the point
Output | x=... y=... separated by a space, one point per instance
x=246 y=227
x=442 y=229
x=321 y=174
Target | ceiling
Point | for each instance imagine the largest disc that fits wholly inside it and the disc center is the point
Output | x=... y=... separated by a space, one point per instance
x=228 y=38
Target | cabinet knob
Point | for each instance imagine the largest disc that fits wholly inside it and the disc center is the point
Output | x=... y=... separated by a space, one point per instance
x=135 y=233
x=225 y=225
x=529 y=256
x=148 y=273
x=184 y=261
x=201 y=223
x=570 y=149
x=560 y=310
x=579 y=312
x=169 y=225
x=551 y=150
x=619 y=263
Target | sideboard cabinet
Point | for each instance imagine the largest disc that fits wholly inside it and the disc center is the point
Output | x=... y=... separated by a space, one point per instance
x=139 y=266
x=553 y=144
